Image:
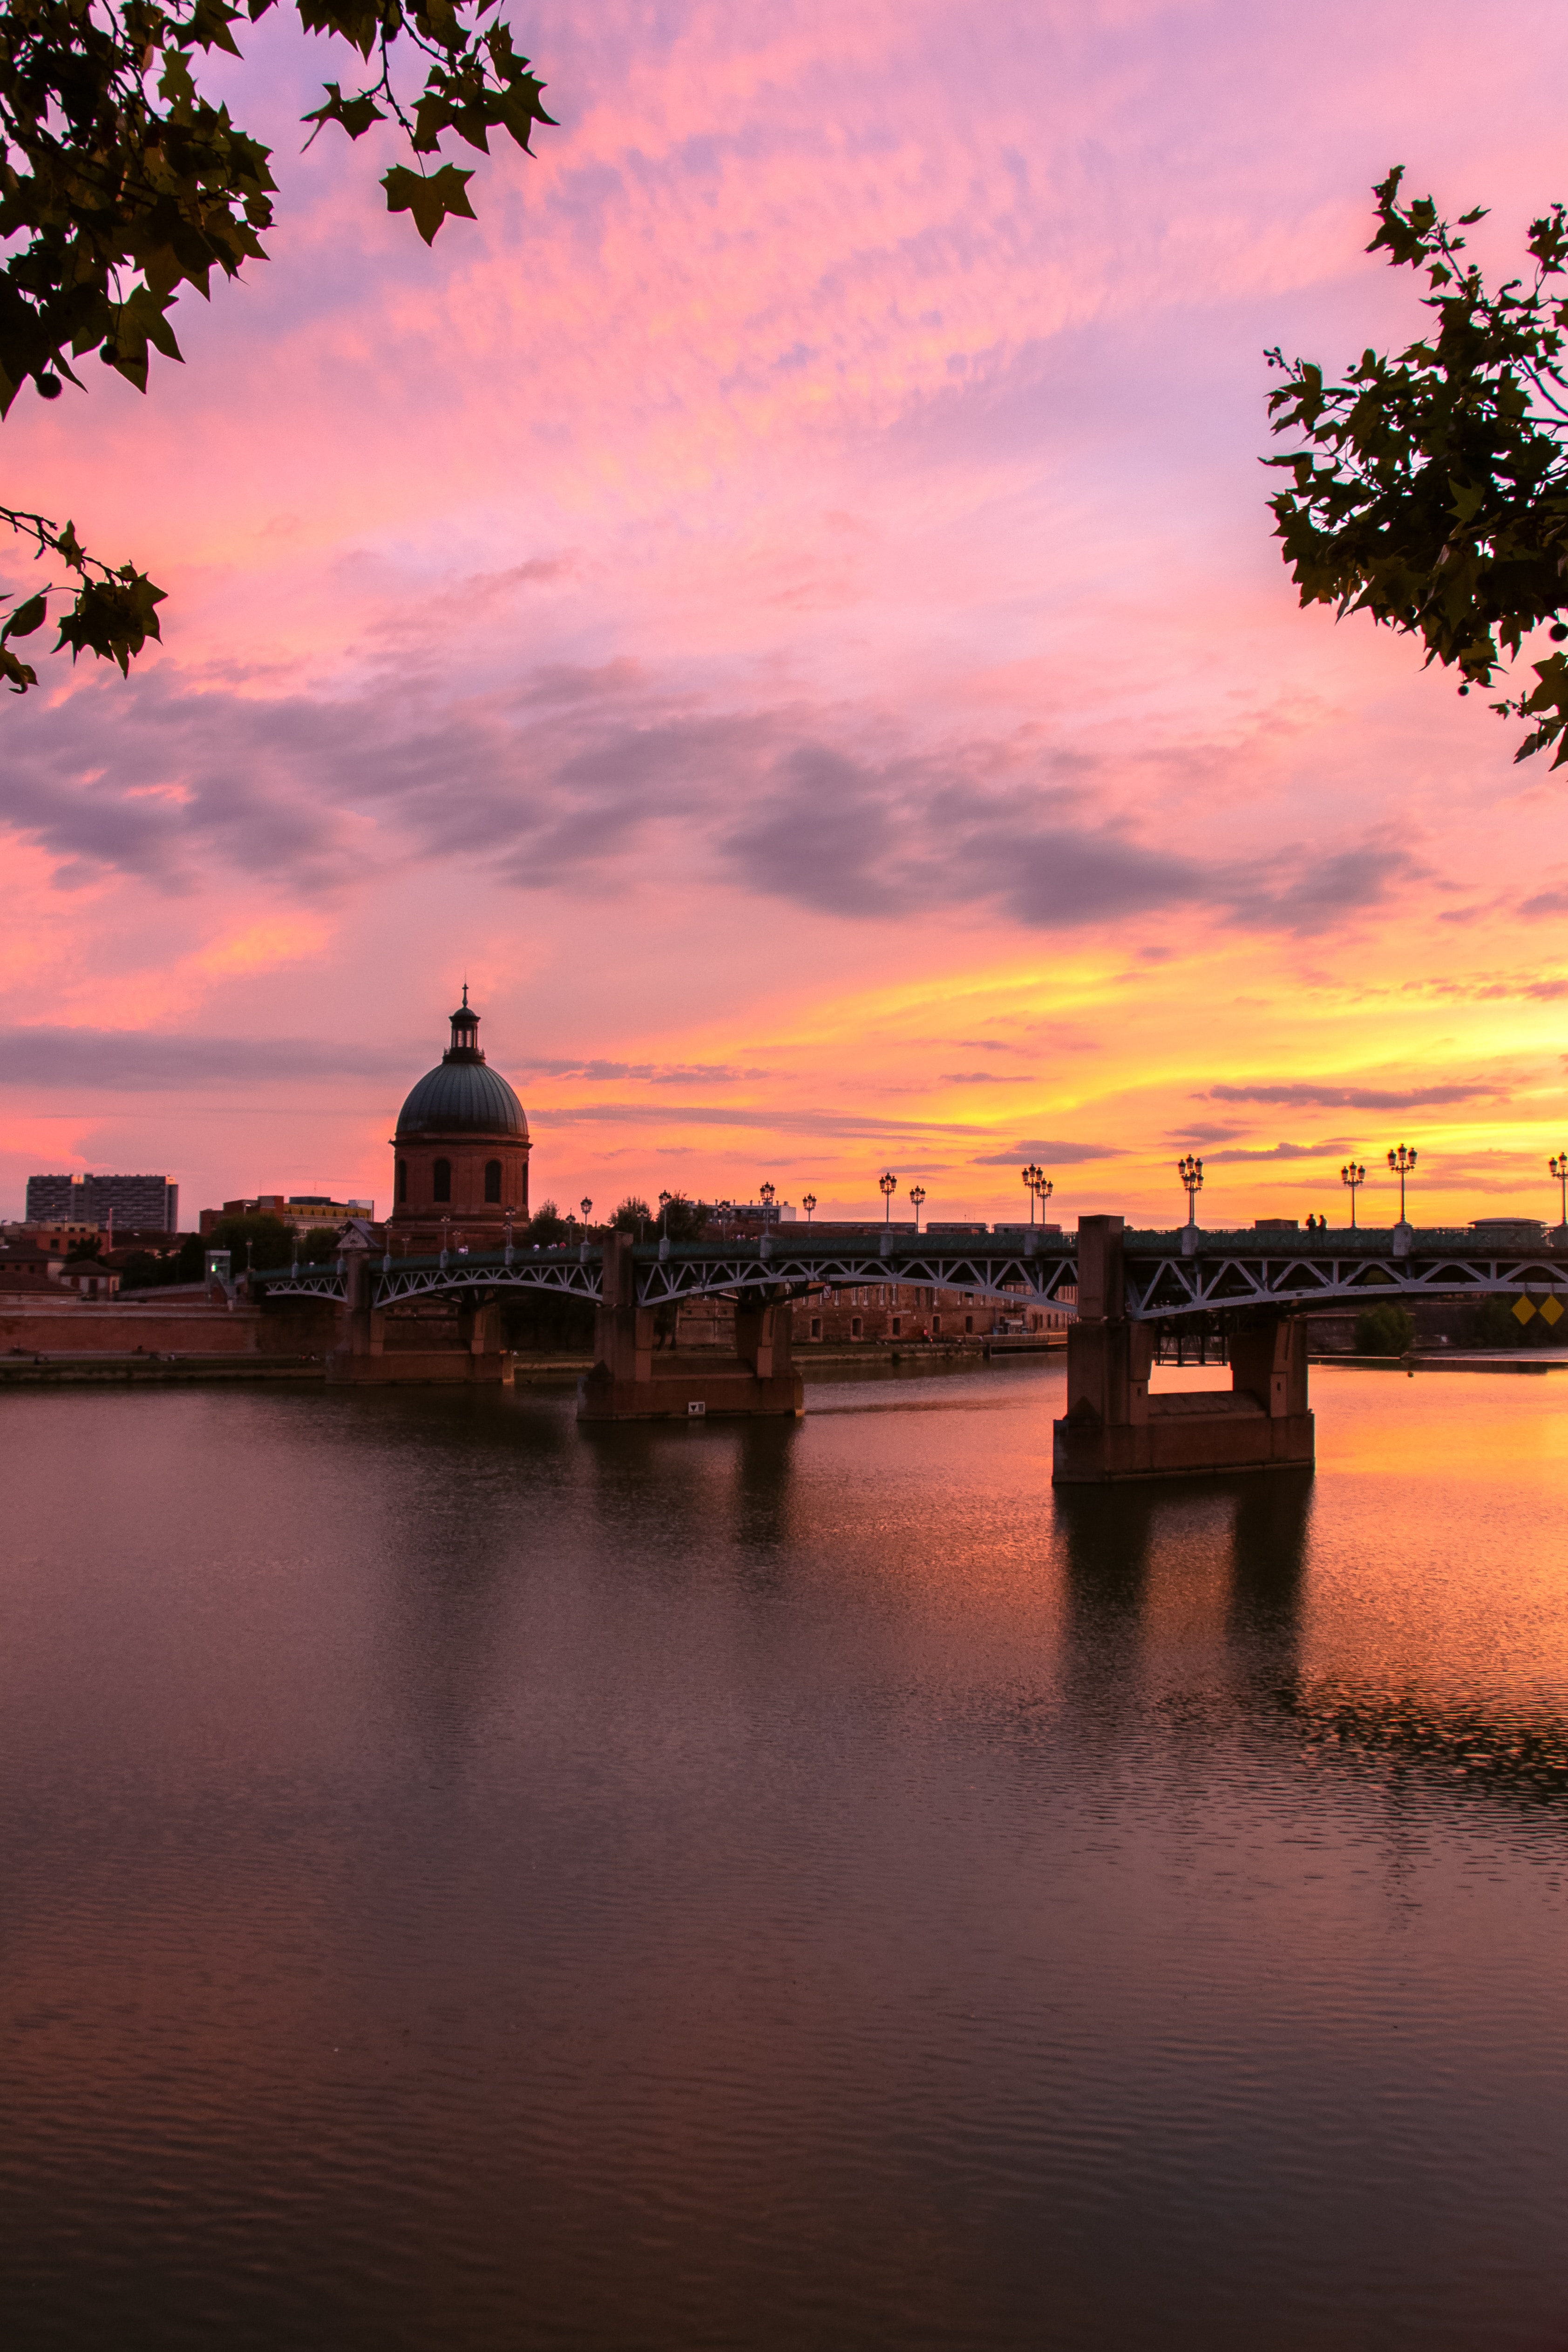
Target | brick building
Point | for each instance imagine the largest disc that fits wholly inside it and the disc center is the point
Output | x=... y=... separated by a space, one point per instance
x=916 y=1311
x=37 y=1266
x=887 y=1314
x=52 y=1240
x=461 y=1149
x=307 y=1212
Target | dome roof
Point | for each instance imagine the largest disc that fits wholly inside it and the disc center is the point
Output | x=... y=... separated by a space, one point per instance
x=462 y=1098
x=463 y=1095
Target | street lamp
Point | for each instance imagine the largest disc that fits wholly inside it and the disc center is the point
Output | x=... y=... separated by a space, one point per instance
x=664 y=1201
x=1402 y=1162
x=585 y=1205
x=768 y=1194
x=1353 y=1178
x=808 y=1203
x=1559 y=1168
x=1031 y=1176
x=888 y=1185
x=1042 y=1189
x=1191 y=1172
x=918 y=1194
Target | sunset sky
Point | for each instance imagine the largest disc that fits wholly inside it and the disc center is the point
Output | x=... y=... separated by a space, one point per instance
x=784 y=604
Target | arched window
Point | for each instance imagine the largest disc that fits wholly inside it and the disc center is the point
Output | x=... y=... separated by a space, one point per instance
x=442 y=1173
x=492 y=1180
x=403 y=1180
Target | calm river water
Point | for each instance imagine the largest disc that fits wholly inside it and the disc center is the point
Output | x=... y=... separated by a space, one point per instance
x=466 y=1883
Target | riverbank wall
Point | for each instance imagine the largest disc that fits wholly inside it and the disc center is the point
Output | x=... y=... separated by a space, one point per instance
x=108 y=1348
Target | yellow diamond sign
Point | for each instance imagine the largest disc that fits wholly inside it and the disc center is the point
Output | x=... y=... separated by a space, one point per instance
x=1523 y=1309
x=1550 y=1308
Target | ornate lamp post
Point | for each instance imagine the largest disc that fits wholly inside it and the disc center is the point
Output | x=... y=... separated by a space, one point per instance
x=1031 y=1176
x=664 y=1201
x=1402 y=1162
x=888 y=1185
x=1042 y=1189
x=808 y=1203
x=1353 y=1177
x=918 y=1194
x=1191 y=1172
x=587 y=1206
x=1559 y=1168
x=767 y=1193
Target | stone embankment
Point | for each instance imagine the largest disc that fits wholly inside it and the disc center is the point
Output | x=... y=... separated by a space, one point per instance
x=195 y=1338
x=139 y=1370
x=974 y=1350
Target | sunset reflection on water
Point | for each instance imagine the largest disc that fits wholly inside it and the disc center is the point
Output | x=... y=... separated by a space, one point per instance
x=470 y=1881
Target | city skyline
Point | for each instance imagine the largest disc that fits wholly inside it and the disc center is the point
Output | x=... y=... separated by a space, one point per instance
x=784 y=605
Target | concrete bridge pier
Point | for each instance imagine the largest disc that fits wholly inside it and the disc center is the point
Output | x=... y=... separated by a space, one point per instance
x=1114 y=1429
x=632 y=1381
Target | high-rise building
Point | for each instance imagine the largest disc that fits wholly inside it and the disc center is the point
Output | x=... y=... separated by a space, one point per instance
x=144 y=1202
x=51 y=1200
x=140 y=1203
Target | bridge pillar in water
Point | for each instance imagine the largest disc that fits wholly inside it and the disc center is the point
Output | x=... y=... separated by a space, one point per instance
x=361 y=1355
x=633 y=1380
x=1114 y=1429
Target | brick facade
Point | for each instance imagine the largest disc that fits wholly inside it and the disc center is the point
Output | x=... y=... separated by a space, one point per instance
x=460 y=1171
x=884 y=1314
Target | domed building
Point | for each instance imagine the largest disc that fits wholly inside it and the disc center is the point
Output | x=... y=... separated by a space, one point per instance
x=461 y=1148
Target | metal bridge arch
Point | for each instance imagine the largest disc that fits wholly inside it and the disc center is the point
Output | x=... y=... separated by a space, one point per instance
x=1164 y=1275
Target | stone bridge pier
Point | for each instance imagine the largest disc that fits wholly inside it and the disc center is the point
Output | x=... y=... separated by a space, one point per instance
x=1114 y=1429
x=634 y=1381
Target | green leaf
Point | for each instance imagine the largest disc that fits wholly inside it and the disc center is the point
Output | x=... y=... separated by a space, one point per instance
x=355 y=114
x=121 y=185
x=430 y=198
x=1430 y=489
x=26 y=618
x=112 y=618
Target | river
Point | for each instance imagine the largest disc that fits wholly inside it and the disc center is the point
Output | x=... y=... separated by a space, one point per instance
x=471 y=1884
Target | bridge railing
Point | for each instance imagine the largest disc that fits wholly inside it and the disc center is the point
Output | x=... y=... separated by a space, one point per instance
x=1178 y=1271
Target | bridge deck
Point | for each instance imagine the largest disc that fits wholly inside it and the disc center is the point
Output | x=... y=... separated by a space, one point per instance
x=1170 y=1273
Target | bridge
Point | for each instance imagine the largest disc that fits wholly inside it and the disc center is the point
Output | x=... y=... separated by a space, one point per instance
x=1165 y=1274
x=1124 y=1284
x=666 y=1273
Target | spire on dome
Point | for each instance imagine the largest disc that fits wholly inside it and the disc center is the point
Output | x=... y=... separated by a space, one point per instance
x=465 y=1045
